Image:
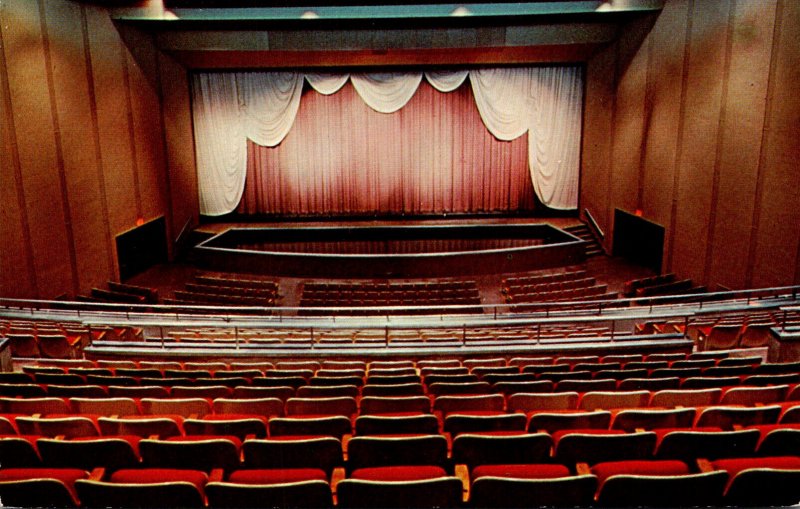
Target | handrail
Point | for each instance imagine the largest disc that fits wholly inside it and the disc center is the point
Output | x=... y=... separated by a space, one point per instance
x=701 y=303
x=594 y=224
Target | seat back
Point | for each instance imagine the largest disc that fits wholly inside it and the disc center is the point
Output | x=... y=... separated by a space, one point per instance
x=610 y=400
x=36 y=493
x=727 y=417
x=69 y=427
x=30 y=406
x=161 y=427
x=552 y=422
x=429 y=493
x=109 y=453
x=394 y=404
x=686 y=398
x=344 y=406
x=311 y=494
x=590 y=448
x=186 y=407
x=764 y=487
x=388 y=424
x=473 y=450
x=754 y=395
x=453 y=404
x=532 y=402
x=704 y=489
x=166 y=494
x=456 y=424
x=202 y=455
x=577 y=491
x=248 y=406
x=105 y=406
x=690 y=445
x=324 y=453
x=366 y=451
x=630 y=420
x=334 y=426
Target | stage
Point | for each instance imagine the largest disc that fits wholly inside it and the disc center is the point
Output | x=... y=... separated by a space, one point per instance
x=433 y=248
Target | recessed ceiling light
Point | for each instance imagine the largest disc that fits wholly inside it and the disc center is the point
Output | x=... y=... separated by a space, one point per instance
x=461 y=11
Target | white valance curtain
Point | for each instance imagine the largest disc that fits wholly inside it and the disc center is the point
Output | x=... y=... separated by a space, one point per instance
x=230 y=108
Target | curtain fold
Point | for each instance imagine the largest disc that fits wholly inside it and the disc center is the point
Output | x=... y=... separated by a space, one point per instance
x=543 y=102
x=386 y=92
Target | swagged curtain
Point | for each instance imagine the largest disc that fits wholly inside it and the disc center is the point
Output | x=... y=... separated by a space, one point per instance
x=231 y=108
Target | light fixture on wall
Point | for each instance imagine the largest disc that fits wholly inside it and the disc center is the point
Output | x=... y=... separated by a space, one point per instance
x=461 y=11
x=309 y=15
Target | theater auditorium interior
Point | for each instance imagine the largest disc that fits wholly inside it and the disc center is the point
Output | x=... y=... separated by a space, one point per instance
x=293 y=253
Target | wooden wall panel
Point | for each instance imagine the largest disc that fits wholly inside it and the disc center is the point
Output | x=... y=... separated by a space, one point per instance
x=73 y=103
x=707 y=47
x=740 y=140
x=177 y=121
x=149 y=141
x=598 y=118
x=627 y=138
x=665 y=83
x=114 y=120
x=35 y=126
x=17 y=273
x=777 y=231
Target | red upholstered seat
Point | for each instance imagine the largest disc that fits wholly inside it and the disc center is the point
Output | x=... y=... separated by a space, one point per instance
x=561 y=433
x=519 y=471
x=200 y=438
x=398 y=473
x=159 y=475
x=68 y=476
x=735 y=465
x=277 y=475
x=639 y=467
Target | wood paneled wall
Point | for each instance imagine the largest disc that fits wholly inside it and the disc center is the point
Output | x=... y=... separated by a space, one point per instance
x=84 y=139
x=699 y=130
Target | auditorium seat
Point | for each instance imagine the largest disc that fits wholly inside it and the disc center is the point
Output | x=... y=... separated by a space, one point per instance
x=222 y=425
x=63 y=477
x=19 y=452
x=427 y=493
x=727 y=417
x=400 y=389
x=334 y=426
x=109 y=453
x=459 y=423
x=536 y=402
x=145 y=426
x=327 y=391
x=210 y=392
x=630 y=420
x=569 y=491
x=37 y=492
x=688 y=445
x=31 y=406
x=778 y=439
x=768 y=481
x=552 y=422
x=425 y=424
x=474 y=450
x=686 y=398
x=581 y=386
x=481 y=404
x=612 y=400
x=135 y=493
x=24 y=390
x=281 y=393
x=195 y=453
x=145 y=391
x=591 y=448
x=629 y=490
x=271 y=461
x=751 y=396
x=104 y=406
x=376 y=452
x=376 y=405
x=312 y=494
x=185 y=407
x=69 y=427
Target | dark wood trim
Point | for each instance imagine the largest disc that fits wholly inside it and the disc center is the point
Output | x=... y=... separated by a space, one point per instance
x=566 y=53
x=59 y=151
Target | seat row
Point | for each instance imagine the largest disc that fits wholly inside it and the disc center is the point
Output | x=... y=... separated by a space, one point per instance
x=497 y=471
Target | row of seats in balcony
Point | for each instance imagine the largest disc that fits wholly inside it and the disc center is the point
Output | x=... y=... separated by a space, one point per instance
x=500 y=471
x=538 y=277
x=512 y=411
x=227 y=289
x=58 y=340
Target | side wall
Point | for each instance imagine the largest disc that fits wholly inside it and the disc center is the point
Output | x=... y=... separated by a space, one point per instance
x=84 y=138
x=697 y=127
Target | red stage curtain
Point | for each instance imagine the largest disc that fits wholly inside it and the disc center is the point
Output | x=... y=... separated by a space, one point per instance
x=433 y=156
